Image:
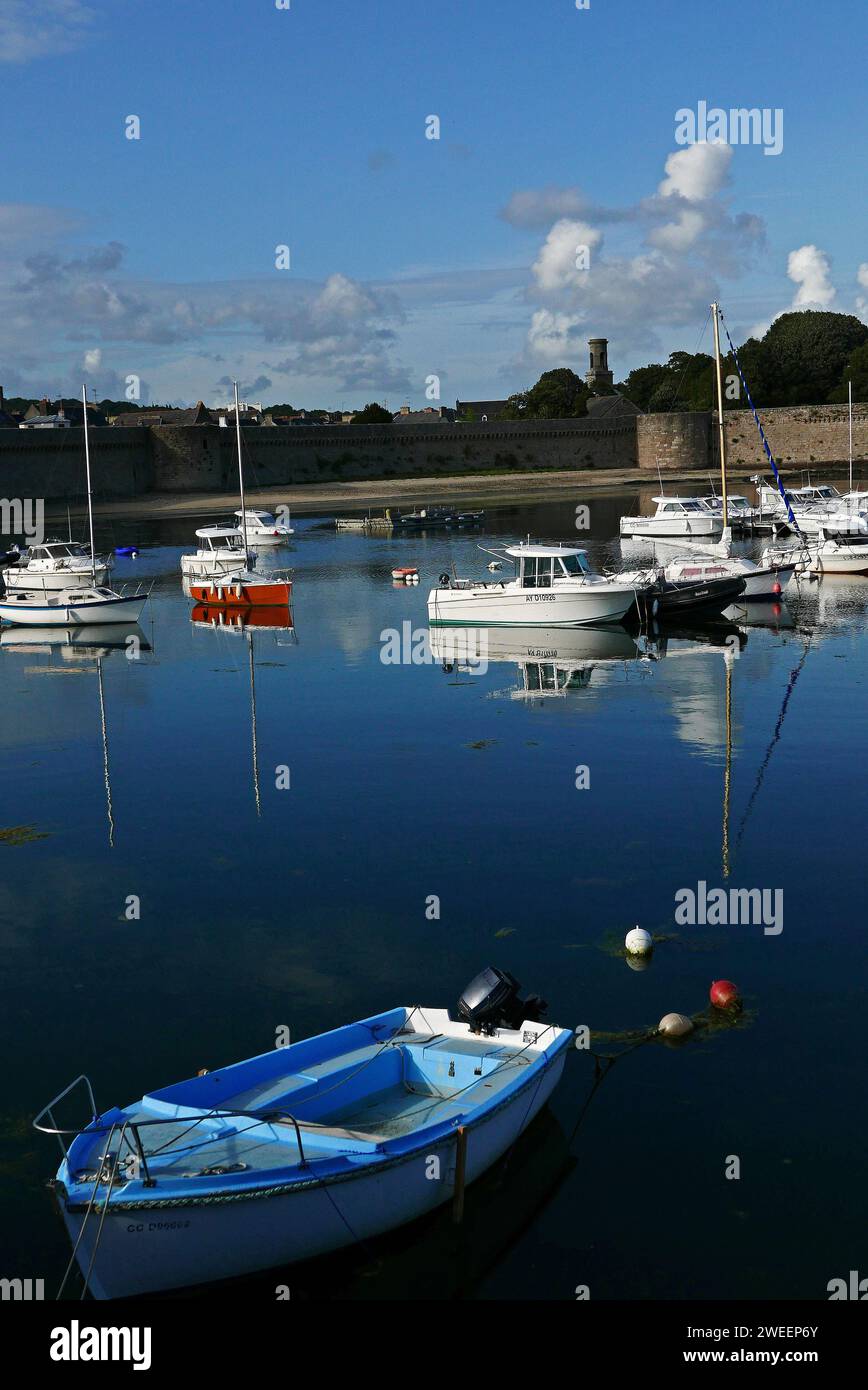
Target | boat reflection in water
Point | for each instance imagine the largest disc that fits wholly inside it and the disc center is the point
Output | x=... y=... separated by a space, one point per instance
x=87 y=647
x=245 y=622
x=243 y=619
x=551 y=661
x=75 y=643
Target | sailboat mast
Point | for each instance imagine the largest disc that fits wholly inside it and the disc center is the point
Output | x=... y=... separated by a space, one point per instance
x=715 y=309
x=240 y=469
x=89 y=492
x=850 y=428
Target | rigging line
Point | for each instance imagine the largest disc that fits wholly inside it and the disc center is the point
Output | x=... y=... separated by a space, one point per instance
x=791 y=685
x=781 y=489
x=674 y=396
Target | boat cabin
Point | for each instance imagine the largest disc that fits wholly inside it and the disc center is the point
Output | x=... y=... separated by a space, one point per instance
x=219 y=539
x=540 y=566
x=53 y=553
x=680 y=506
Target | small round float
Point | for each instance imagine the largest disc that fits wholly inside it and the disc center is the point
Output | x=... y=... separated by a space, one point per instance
x=638 y=942
x=724 y=995
x=675 y=1026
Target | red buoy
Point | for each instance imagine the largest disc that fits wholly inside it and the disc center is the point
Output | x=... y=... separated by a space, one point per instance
x=776 y=588
x=724 y=995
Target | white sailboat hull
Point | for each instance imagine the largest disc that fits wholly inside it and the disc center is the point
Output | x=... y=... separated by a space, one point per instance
x=35 y=610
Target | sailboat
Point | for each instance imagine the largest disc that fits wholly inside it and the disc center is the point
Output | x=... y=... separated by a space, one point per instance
x=248 y=587
x=764 y=581
x=81 y=603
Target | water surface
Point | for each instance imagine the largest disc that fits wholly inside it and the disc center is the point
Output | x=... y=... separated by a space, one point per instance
x=306 y=907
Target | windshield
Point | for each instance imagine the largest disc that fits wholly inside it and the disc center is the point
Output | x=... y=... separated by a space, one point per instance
x=574 y=564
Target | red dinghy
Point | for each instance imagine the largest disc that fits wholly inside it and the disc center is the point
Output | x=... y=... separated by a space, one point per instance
x=406 y=572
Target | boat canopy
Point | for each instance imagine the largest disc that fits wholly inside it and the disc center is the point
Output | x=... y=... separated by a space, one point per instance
x=548 y=551
x=223 y=536
x=679 y=504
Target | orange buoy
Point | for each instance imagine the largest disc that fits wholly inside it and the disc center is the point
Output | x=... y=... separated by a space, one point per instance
x=724 y=995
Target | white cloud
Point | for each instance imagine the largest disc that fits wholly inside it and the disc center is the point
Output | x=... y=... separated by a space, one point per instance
x=689 y=238
x=698 y=172
x=808 y=267
x=862 y=300
x=567 y=243
x=32 y=29
x=554 y=337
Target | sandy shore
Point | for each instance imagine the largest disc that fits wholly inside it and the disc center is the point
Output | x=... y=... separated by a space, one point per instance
x=376 y=493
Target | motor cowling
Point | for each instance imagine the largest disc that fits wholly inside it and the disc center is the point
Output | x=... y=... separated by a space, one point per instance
x=491 y=1001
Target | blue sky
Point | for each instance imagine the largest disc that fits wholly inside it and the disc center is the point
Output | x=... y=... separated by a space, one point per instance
x=411 y=257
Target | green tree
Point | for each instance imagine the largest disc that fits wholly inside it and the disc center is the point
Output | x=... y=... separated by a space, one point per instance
x=558 y=395
x=855 y=370
x=808 y=351
x=373 y=414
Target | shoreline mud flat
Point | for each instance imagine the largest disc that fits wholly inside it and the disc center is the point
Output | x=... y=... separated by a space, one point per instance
x=306 y=498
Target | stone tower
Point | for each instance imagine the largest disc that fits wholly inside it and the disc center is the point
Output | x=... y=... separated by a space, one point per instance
x=598 y=373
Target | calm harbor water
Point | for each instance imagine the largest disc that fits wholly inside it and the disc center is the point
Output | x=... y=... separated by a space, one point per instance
x=262 y=906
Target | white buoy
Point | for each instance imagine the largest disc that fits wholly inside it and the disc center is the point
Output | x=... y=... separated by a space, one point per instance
x=638 y=942
x=674 y=1026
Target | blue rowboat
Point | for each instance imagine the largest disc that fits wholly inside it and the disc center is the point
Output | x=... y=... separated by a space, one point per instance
x=302 y=1150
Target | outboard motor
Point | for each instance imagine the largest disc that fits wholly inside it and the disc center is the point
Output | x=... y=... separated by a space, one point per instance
x=491 y=1001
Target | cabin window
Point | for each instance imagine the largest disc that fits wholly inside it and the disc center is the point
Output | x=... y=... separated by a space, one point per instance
x=573 y=565
x=537 y=572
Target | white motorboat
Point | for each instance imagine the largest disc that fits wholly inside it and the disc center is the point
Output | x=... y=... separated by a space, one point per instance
x=56 y=565
x=675 y=516
x=263 y=528
x=836 y=554
x=221 y=550
x=83 y=600
x=815 y=508
x=740 y=510
x=553 y=585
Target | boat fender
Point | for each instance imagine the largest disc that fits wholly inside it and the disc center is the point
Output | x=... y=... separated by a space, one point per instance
x=445 y=581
